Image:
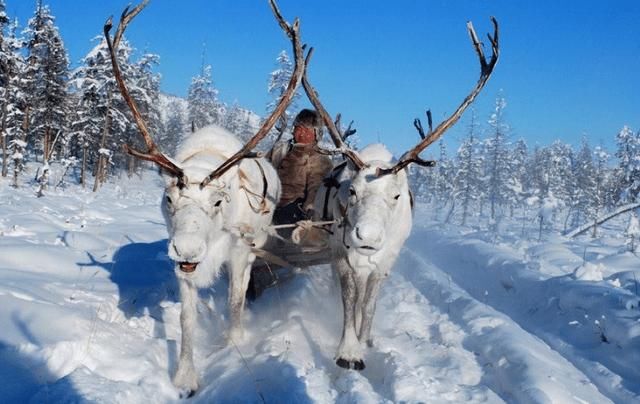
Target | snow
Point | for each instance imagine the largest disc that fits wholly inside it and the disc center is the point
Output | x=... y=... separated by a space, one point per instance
x=89 y=312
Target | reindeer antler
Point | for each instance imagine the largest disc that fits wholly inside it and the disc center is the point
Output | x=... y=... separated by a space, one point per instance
x=486 y=68
x=334 y=132
x=293 y=32
x=153 y=153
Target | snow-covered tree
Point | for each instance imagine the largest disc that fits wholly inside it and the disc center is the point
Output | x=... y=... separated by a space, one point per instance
x=11 y=94
x=600 y=179
x=144 y=86
x=628 y=155
x=277 y=86
x=468 y=171
x=46 y=76
x=14 y=125
x=103 y=122
x=632 y=232
x=233 y=119
x=517 y=180
x=497 y=169
x=4 y=72
x=584 y=184
x=559 y=170
x=421 y=182
x=204 y=108
x=443 y=178
x=174 y=129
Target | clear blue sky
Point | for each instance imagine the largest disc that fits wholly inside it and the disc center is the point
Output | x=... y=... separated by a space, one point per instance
x=567 y=68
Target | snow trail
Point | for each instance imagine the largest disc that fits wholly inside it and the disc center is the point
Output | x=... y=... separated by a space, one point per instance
x=89 y=312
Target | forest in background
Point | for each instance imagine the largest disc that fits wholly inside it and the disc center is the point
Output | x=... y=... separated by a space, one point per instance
x=76 y=120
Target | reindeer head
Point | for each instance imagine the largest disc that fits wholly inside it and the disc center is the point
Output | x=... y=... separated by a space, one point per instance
x=194 y=222
x=374 y=208
x=195 y=213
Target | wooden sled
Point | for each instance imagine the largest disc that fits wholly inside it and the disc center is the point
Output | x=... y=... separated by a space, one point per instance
x=280 y=259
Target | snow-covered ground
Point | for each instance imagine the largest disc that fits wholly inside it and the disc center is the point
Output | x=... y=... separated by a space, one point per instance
x=89 y=312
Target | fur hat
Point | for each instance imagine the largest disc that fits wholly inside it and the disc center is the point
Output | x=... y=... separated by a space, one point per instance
x=308 y=118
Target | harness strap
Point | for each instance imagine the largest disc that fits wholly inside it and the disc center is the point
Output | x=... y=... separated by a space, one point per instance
x=262 y=206
x=331 y=182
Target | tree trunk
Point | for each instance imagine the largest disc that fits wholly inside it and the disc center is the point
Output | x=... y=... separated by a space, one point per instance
x=540 y=230
x=83 y=169
x=17 y=163
x=5 y=160
x=599 y=221
x=45 y=145
x=131 y=166
x=493 y=209
x=101 y=165
x=451 y=210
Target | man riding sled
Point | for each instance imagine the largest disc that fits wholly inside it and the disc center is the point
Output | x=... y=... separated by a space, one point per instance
x=301 y=168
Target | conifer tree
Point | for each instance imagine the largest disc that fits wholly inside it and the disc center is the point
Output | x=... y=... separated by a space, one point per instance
x=6 y=73
x=278 y=83
x=174 y=129
x=46 y=78
x=144 y=85
x=628 y=154
x=103 y=122
x=13 y=117
x=583 y=184
x=497 y=161
x=467 y=185
x=444 y=178
x=517 y=187
x=600 y=174
x=204 y=108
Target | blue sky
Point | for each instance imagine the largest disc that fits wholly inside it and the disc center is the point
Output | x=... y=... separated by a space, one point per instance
x=567 y=69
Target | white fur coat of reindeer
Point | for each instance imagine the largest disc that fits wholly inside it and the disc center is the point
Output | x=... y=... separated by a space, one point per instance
x=213 y=225
x=368 y=197
x=218 y=202
x=372 y=221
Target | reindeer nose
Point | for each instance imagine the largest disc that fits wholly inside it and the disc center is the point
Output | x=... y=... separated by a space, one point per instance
x=368 y=235
x=184 y=248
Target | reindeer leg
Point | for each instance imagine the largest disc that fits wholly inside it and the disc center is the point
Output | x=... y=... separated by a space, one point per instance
x=349 y=351
x=239 y=275
x=361 y=286
x=369 y=307
x=186 y=377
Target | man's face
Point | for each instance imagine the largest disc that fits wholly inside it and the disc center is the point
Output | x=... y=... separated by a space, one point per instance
x=304 y=134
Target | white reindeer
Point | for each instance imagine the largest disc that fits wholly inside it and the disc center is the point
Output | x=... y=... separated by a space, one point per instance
x=368 y=197
x=373 y=221
x=215 y=224
x=218 y=204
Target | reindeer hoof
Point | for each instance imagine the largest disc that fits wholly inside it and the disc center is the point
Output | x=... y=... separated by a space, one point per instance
x=346 y=364
x=187 y=393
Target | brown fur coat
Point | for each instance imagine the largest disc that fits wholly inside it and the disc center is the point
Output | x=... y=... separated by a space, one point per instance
x=301 y=170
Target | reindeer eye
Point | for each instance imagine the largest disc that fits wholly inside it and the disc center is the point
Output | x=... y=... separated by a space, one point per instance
x=169 y=200
x=396 y=197
x=217 y=203
x=352 y=192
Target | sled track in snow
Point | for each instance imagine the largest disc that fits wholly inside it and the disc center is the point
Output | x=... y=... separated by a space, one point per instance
x=526 y=359
x=458 y=320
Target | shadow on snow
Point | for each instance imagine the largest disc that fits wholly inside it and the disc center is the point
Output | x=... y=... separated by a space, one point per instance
x=144 y=276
